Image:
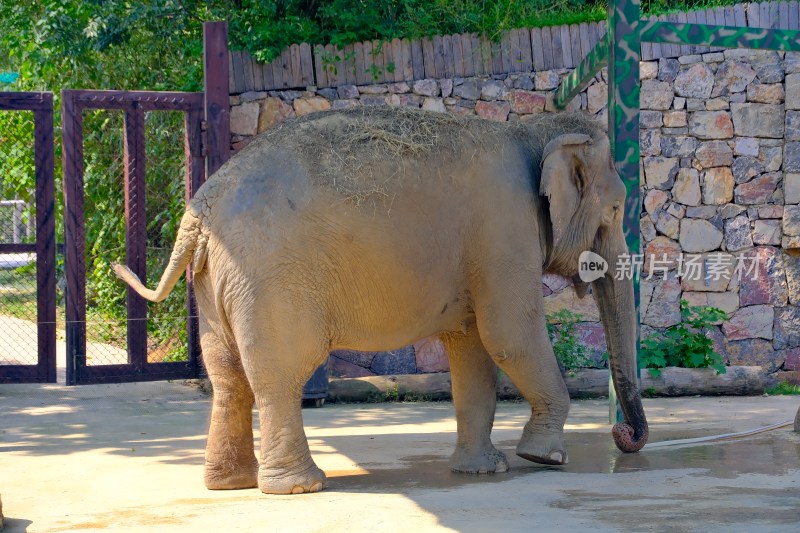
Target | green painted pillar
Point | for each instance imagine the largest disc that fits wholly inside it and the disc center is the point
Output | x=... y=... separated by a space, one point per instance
x=623 y=127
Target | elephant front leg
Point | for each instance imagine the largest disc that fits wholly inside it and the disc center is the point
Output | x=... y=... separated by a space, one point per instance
x=513 y=330
x=474 y=379
x=542 y=438
x=535 y=373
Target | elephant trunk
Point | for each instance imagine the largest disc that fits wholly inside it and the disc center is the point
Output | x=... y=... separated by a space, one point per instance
x=617 y=311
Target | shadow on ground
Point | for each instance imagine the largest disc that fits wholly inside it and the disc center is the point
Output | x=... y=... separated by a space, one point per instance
x=387 y=467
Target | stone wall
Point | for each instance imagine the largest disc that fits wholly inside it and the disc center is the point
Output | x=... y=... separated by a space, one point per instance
x=501 y=97
x=720 y=143
x=720 y=158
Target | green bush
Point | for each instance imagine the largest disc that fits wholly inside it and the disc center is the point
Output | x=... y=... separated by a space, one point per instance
x=684 y=344
x=571 y=353
x=265 y=27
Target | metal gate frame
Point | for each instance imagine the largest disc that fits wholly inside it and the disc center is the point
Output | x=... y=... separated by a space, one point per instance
x=207 y=147
x=134 y=104
x=41 y=103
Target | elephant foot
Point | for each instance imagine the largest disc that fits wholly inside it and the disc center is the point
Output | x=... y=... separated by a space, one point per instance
x=486 y=461
x=543 y=448
x=308 y=478
x=227 y=477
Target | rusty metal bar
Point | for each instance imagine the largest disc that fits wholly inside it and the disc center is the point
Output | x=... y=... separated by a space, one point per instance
x=135 y=231
x=75 y=238
x=194 y=178
x=146 y=100
x=44 y=148
x=25 y=101
x=17 y=248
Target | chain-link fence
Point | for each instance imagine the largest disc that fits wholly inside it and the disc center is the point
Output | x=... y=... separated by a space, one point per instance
x=106 y=311
x=16 y=222
x=104 y=210
x=18 y=330
x=166 y=170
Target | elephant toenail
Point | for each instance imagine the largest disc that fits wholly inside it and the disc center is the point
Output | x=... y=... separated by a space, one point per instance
x=297 y=489
x=316 y=487
x=556 y=456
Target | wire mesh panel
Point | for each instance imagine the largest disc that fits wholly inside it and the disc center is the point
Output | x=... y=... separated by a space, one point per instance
x=18 y=330
x=27 y=247
x=17 y=269
x=108 y=324
x=16 y=216
x=166 y=165
x=104 y=212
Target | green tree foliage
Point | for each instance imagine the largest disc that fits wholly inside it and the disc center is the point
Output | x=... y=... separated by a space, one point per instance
x=157 y=43
x=112 y=44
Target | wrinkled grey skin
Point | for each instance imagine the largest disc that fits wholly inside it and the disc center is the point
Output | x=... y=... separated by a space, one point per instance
x=370 y=229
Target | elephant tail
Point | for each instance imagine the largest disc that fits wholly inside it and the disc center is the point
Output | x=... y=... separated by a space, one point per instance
x=189 y=248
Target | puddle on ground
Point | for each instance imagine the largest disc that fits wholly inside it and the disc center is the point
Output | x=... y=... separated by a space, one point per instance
x=773 y=453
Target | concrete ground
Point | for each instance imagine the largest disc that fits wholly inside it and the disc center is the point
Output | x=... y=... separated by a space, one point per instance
x=130 y=458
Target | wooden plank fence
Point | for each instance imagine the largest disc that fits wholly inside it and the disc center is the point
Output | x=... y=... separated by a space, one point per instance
x=468 y=54
x=398 y=60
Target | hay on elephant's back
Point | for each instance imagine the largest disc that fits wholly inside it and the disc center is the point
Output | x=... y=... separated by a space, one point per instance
x=359 y=151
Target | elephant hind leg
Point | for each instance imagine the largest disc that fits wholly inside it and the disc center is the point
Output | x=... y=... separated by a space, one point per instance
x=230 y=461
x=277 y=369
x=474 y=380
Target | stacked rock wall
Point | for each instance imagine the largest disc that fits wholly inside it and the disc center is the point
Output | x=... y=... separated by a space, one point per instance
x=720 y=143
x=720 y=159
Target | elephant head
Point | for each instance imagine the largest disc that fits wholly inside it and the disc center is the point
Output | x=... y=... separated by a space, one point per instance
x=585 y=206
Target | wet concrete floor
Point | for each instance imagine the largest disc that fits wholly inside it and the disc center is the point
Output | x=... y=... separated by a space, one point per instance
x=129 y=458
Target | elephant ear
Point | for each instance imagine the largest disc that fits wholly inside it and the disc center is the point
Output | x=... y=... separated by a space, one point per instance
x=561 y=181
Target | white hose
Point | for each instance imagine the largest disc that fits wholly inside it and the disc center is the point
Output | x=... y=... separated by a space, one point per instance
x=717 y=438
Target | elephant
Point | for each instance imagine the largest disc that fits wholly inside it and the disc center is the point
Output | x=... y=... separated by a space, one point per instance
x=371 y=228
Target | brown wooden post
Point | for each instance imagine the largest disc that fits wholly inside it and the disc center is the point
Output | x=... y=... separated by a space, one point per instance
x=135 y=231
x=217 y=95
x=75 y=238
x=45 y=236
